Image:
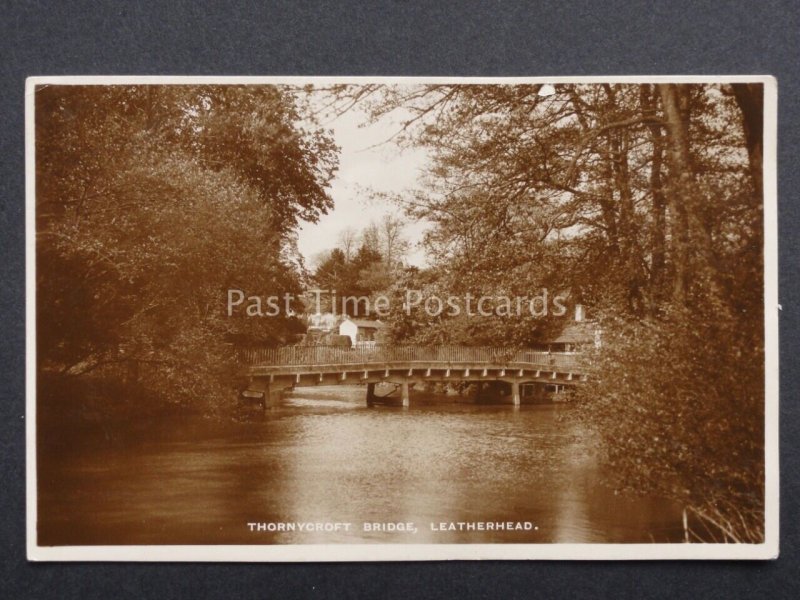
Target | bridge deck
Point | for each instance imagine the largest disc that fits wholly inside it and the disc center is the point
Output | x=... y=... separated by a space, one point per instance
x=306 y=359
x=271 y=370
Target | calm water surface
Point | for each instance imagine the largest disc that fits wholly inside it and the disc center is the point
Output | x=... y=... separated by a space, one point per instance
x=323 y=456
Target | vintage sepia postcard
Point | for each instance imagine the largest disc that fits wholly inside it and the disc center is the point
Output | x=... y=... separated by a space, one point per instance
x=348 y=318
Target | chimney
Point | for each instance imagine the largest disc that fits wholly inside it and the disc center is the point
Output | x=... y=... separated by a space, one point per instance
x=578 y=313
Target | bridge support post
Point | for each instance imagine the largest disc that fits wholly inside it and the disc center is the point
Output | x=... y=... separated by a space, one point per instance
x=515 y=393
x=370 y=394
x=404 y=394
x=257 y=394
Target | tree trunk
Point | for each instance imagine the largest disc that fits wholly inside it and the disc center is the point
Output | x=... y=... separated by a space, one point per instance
x=681 y=176
x=693 y=256
x=750 y=98
x=658 y=235
x=629 y=259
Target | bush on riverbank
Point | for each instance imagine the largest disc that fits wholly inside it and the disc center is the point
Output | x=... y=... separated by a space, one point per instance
x=107 y=398
x=678 y=403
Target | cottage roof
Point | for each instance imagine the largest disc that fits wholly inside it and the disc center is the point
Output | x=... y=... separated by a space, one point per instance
x=367 y=323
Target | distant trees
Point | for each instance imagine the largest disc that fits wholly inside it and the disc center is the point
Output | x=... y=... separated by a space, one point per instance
x=386 y=237
x=364 y=264
x=644 y=203
x=152 y=202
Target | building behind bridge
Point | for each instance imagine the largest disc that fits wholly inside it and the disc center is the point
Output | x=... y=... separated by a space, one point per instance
x=327 y=326
x=362 y=332
x=575 y=336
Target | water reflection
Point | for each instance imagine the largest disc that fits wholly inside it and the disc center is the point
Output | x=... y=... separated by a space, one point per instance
x=324 y=457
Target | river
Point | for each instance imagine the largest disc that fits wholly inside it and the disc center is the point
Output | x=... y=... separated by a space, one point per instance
x=323 y=457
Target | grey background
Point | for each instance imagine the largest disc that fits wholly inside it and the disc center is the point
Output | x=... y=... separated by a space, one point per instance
x=389 y=38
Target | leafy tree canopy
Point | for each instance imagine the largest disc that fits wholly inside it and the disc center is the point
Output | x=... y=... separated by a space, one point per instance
x=153 y=202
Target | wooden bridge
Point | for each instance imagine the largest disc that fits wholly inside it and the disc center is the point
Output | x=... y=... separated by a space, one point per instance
x=272 y=370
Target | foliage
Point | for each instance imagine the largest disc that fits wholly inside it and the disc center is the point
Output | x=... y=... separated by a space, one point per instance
x=644 y=203
x=361 y=273
x=681 y=415
x=410 y=321
x=153 y=202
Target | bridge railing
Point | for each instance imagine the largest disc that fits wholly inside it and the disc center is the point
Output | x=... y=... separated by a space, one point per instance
x=306 y=356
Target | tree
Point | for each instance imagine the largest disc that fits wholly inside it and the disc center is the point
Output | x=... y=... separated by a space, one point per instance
x=347 y=241
x=365 y=272
x=643 y=202
x=387 y=238
x=152 y=203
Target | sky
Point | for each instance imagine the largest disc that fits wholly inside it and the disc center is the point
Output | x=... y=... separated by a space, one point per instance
x=365 y=164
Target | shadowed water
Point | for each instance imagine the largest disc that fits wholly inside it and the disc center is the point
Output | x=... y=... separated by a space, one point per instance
x=324 y=457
